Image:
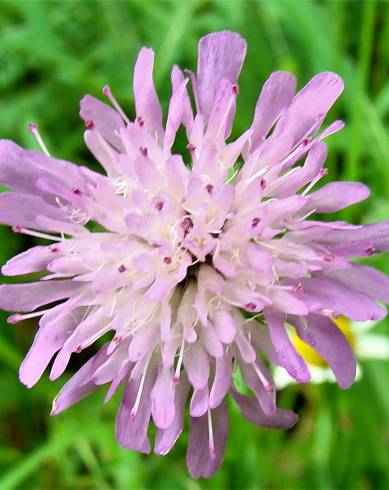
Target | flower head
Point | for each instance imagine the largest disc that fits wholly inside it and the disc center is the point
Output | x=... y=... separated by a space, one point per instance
x=200 y=260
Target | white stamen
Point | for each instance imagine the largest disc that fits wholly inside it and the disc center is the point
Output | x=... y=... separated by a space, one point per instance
x=33 y=128
x=318 y=177
x=211 y=442
x=268 y=387
x=37 y=234
x=176 y=377
x=257 y=174
x=18 y=318
x=107 y=92
x=134 y=409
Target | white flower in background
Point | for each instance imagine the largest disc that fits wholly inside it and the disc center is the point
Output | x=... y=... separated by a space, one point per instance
x=365 y=344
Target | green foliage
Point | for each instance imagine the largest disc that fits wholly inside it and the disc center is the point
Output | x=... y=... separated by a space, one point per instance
x=53 y=52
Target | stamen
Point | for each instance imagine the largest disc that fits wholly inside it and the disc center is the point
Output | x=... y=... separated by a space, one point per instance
x=370 y=251
x=134 y=409
x=268 y=387
x=122 y=268
x=258 y=174
x=37 y=234
x=33 y=128
x=209 y=188
x=320 y=175
x=176 y=377
x=107 y=92
x=211 y=441
x=13 y=319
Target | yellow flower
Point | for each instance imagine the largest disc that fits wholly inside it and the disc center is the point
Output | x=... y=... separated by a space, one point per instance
x=310 y=355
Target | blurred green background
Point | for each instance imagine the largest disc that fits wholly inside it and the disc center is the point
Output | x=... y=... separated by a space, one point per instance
x=51 y=53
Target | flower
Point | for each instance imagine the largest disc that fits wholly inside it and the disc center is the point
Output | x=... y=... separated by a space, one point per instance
x=366 y=346
x=198 y=260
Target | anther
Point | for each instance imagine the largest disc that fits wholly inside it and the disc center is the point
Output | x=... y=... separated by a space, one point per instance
x=167 y=260
x=235 y=89
x=262 y=184
x=122 y=268
x=329 y=258
x=209 y=188
x=140 y=121
x=298 y=288
x=78 y=349
x=89 y=124
x=159 y=205
x=144 y=151
x=53 y=249
x=186 y=224
x=191 y=148
x=370 y=251
x=250 y=306
x=76 y=191
x=255 y=222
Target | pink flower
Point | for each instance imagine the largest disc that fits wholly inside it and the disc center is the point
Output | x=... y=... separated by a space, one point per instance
x=202 y=259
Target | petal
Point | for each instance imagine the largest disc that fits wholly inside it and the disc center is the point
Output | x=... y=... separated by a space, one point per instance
x=211 y=341
x=222 y=381
x=80 y=385
x=27 y=297
x=358 y=242
x=165 y=439
x=291 y=183
x=256 y=382
x=199 y=402
x=365 y=280
x=322 y=335
x=336 y=196
x=331 y=295
x=105 y=119
x=48 y=340
x=199 y=460
x=146 y=100
x=22 y=210
x=310 y=105
x=276 y=96
x=33 y=260
x=221 y=55
x=162 y=399
x=179 y=108
x=131 y=431
x=286 y=353
x=224 y=325
x=251 y=410
x=196 y=364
